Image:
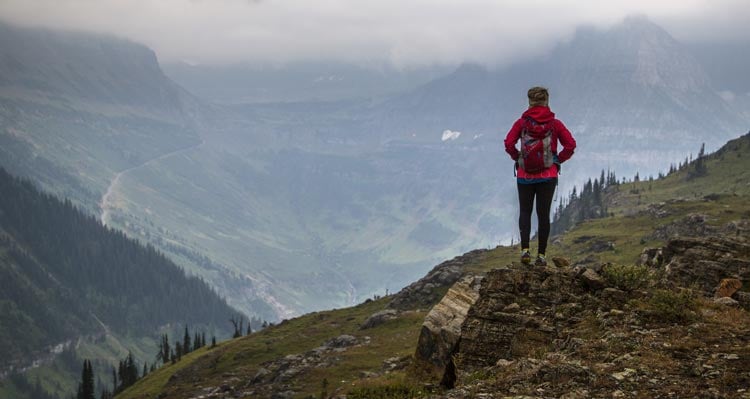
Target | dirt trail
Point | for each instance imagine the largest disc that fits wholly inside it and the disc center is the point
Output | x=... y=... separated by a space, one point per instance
x=107 y=203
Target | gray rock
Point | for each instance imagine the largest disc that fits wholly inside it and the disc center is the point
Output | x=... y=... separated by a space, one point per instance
x=592 y=280
x=442 y=325
x=342 y=341
x=614 y=295
x=379 y=318
x=260 y=375
x=727 y=301
x=706 y=261
x=283 y=395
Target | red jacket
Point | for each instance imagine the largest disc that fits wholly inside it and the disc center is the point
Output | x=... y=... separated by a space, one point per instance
x=560 y=133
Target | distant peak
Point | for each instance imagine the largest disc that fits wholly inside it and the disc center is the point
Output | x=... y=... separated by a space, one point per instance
x=638 y=19
x=641 y=23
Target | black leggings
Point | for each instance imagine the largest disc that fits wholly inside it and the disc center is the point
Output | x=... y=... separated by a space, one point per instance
x=544 y=193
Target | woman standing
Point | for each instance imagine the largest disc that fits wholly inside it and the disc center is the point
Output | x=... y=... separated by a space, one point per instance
x=537 y=166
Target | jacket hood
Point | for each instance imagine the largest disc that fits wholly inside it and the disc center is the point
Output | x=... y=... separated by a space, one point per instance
x=539 y=113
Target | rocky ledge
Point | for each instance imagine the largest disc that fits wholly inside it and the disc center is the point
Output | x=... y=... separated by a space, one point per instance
x=676 y=326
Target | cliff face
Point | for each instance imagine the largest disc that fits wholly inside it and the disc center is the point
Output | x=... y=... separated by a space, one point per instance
x=675 y=325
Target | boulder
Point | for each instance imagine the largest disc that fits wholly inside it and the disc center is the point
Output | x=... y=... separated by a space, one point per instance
x=379 y=318
x=442 y=325
x=591 y=280
x=726 y=301
x=342 y=341
x=508 y=320
x=561 y=262
x=727 y=287
x=706 y=261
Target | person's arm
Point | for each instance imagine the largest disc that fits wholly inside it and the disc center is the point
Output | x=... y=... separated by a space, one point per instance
x=511 y=138
x=567 y=141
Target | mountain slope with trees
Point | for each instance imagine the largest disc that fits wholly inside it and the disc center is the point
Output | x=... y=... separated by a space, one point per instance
x=64 y=277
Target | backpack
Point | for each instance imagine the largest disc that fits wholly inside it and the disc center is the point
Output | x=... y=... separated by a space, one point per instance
x=536 y=147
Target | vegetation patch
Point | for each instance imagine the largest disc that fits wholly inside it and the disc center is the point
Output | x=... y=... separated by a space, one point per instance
x=395 y=391
x=627 y=277
x=672 y=306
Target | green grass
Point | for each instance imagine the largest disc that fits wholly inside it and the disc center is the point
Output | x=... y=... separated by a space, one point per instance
x=245 y=355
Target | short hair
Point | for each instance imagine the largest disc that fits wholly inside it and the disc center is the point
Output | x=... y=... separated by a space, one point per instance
x=538 y=96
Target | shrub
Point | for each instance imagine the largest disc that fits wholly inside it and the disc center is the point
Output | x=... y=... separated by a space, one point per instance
x=626 y=278
x=671 y=306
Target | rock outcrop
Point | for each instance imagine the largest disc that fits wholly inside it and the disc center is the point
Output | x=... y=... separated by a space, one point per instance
x=442 y=325
x=704 y=262
x=563 y=331
x=379 y=318
x=516 y=314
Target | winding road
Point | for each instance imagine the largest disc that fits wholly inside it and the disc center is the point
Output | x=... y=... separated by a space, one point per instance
x=107 y=202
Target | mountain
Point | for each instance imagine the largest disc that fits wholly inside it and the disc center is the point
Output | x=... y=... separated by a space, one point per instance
x=70 y=283
x=287 y=208
x=79 y=112
x=628 y=306
x=76 y=109
x=625 y=93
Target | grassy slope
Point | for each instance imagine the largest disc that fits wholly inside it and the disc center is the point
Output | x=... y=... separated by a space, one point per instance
x=243 y=356
x=629 y=231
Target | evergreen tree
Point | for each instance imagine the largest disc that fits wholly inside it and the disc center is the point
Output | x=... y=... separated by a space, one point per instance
x=196 y=341
x=86 y=386
x=114 y=380
x=699 y=166
x=237 y=324
x=203 y=339
x=127 y=372
x=178 y=350
x=164 y=351
x=213 y=341
x=249 y=330
x=186 y=342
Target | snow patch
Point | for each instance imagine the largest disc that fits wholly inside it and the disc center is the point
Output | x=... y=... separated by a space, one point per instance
x=450 y=135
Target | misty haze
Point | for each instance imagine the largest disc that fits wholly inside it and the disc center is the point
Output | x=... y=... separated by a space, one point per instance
x=172 y=166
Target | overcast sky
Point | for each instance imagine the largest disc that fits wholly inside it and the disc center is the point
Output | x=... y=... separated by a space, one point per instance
x=404 y=33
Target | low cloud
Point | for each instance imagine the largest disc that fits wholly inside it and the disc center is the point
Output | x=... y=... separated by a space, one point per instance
x=393 y=32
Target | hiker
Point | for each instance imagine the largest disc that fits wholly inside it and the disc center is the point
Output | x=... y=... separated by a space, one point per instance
x=537 y=166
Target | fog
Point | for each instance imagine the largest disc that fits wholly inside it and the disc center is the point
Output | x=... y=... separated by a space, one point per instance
x=387 y=32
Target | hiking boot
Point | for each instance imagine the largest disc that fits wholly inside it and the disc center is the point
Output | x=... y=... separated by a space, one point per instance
x=541 y=260
x=525 y=257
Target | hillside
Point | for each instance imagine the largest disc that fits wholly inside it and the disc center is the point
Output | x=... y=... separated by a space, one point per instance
x=68 y=283
x=368 y=350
